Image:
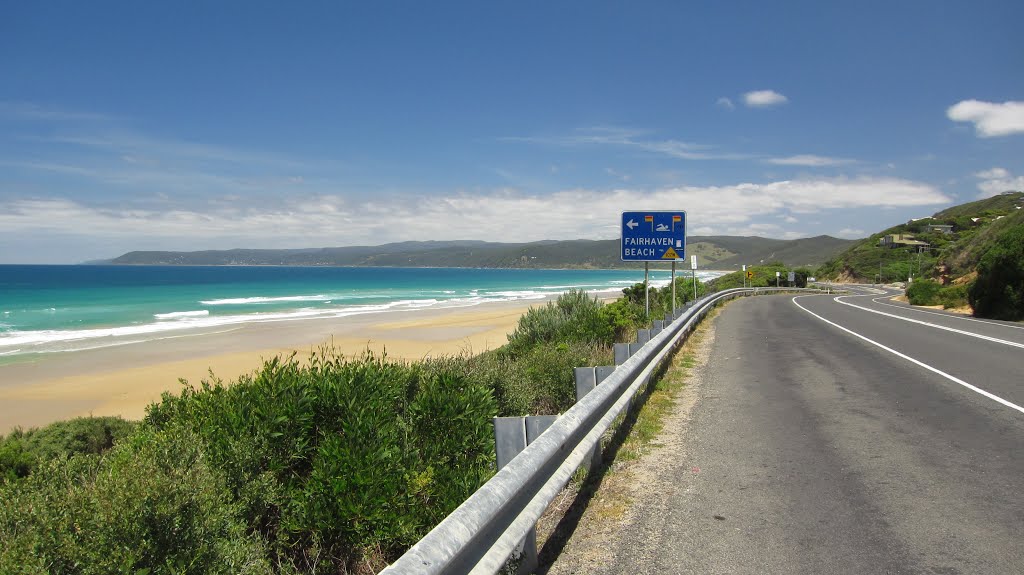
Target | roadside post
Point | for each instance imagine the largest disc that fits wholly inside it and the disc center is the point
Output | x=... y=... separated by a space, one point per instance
x=792 y=279
x=693 y=268
x=744 y=275
x=777 y=276
x=673 y=288
x=647 y=293
x=653 y=236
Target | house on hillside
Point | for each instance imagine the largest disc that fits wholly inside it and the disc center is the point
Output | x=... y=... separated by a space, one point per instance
x=940 y=228
x=900 y=241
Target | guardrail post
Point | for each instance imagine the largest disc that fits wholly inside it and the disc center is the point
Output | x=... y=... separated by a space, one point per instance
x=511 y=436
x=621 y=353
x=656 y=327
x=587 y=379
x=642 y=336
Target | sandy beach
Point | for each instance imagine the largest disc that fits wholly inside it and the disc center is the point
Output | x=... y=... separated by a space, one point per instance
x=123 y=380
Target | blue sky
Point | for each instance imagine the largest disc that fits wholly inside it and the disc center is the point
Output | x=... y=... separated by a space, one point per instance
x=197 y=125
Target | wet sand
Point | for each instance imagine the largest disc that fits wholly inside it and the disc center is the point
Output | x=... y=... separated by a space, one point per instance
x=123 y=380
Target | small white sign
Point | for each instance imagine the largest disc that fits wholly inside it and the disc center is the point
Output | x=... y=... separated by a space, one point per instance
x=744 y=267
x=777 y=274
x=693 y=262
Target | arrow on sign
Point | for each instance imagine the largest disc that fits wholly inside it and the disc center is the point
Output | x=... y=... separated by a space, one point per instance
x=631 y=224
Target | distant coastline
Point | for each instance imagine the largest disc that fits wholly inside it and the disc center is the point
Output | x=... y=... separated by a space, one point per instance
x=713 y=252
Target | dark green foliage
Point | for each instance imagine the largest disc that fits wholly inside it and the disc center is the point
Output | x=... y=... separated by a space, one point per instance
x=954 y=296
x=627 y=314
x=764 y=276
x=535 y=381
x=152 y=504
x=16 y=461
x=999 y=290
x=923 y=292
x=21 y=450
x=332 y=459
x=573 y=317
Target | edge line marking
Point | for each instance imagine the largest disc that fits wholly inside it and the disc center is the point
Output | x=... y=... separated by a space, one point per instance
x=837 y=299
x=951 y=316
x=956 y=380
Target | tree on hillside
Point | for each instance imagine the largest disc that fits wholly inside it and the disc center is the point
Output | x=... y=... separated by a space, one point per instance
x=999 y=290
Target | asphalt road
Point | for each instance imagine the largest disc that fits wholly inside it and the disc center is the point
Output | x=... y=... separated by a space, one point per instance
x=812 y=449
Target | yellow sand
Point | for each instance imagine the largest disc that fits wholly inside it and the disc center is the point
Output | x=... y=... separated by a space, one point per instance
x=123 y=380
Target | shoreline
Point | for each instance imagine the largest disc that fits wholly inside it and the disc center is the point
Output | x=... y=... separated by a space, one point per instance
x=123 y=380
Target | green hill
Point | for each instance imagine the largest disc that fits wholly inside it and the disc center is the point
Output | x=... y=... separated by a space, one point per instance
x=946 y=257
x=716 y=252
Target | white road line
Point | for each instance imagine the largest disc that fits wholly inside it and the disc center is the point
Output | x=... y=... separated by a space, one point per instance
x=935 y=325
x=944 y=314
x=973 y=388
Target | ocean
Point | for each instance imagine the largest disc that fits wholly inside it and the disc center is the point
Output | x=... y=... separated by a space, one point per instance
x=50 y=309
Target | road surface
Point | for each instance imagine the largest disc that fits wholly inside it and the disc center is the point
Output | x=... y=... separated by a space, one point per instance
x=837 y=435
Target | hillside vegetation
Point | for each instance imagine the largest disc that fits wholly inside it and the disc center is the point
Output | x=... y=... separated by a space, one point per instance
x=719 y=252
x=981 y=262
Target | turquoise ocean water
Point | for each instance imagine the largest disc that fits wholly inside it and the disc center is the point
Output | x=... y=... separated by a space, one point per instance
x=48 y=309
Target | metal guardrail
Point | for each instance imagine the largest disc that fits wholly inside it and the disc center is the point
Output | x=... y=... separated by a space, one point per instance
x=481 y=534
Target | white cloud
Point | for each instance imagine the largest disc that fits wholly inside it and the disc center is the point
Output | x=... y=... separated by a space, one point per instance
x=726 y=103
x=809 y=160
x=500 y=215
x=990 y=119
x=763 y=98
x=992 y=174
x=996 y=181
x=628 y=138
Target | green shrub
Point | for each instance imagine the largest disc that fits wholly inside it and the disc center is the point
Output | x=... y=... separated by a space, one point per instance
x=999 y=290
x=16 y=461
x=340 y=461
x=152 y=504
x=923 y=292
x=574 y=316
x=953 y=296
x=624 y=316
x=539 y=381
x=21 y=450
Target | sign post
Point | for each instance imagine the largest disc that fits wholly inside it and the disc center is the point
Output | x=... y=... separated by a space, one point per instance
x=673 y=288
x=647 y=293
x=792 y=278
x=744 y=275
x=777 y=275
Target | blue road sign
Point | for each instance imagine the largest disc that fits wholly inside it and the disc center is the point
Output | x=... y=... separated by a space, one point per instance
x=653 y=236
